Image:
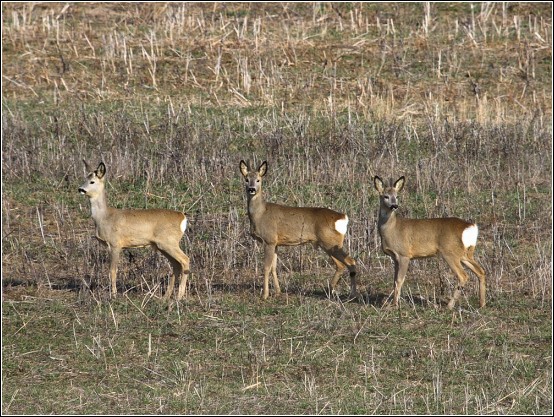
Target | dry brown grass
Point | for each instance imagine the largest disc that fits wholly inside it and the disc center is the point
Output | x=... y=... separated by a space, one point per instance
x=460 y=61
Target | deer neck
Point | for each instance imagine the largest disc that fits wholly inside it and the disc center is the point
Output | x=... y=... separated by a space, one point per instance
x=99 y=208
x=387 y=217
x=256 y=206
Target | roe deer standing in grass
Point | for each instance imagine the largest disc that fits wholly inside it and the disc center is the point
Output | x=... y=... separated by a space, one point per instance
x=120 y=229
x=277 y=225
x=404 y=239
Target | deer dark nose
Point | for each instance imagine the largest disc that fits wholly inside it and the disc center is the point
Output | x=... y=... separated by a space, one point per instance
x=82 y=191
x=251 y=190
x=394 y=206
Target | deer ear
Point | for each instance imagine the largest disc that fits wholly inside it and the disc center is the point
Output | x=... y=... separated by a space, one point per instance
x=378 y=183
x=101 y=170
x=262 y=169
x=243 y=168
x=399 y=184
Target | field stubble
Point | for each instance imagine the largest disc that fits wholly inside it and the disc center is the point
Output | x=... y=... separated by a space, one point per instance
x=171 y=97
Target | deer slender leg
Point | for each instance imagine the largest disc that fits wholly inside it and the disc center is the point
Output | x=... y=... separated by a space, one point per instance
x=339 y=269
x=185 y=270
x=456 y=266
x=400 y=269
x=274 y=273
x=343 y=260
x=269 y=258
x=114 y=260
x=472 y=264
x=180 y=264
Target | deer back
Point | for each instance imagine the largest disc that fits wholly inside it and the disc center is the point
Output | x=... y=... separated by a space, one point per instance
x=135 y=228
x=416 y=238
x=284 y=225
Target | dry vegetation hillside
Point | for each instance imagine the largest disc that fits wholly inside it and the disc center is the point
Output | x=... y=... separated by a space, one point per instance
x=485 y=62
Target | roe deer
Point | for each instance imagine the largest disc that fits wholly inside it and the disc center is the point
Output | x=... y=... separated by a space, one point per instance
x=404 y=239
x=120 y=229
x=276 y=225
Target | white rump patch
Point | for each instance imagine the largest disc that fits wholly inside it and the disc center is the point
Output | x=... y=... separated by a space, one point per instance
x=184 y=225
x=469 y=236
x=341 y=225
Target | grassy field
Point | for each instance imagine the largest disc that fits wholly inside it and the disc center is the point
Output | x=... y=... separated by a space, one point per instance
x=171 y=96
